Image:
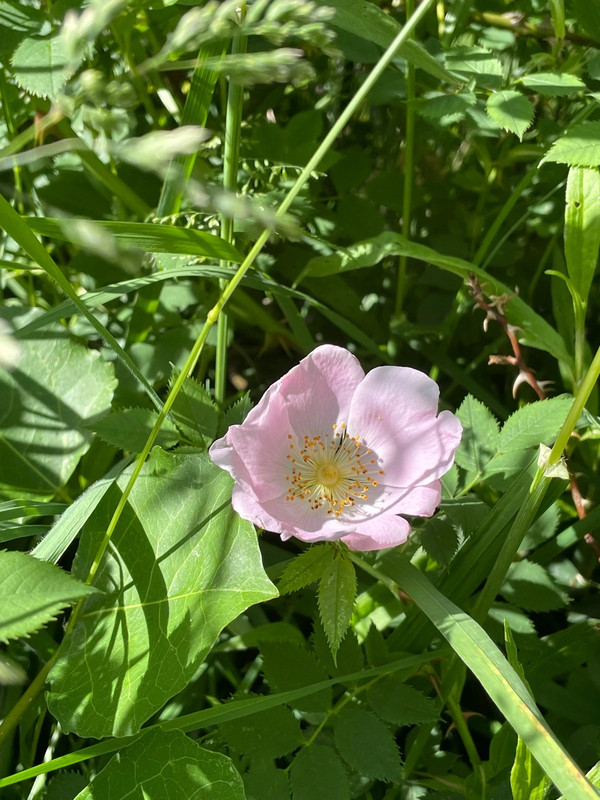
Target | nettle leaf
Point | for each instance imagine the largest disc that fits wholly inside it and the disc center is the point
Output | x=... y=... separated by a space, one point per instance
x=529 y=585
x=57 y=388
x=181 y=566
x=440 y=540
x=318 y=774
x=554 y=84
x=33 y=593
x=195 y=413
x=40 y=65
x=337 y=592
x=396 y=702
x=307 y=568
x=578 y=147
x=534 y=424
x=381 y=759
x=479 y=441
x=168 y=765
x=511 y=111
x=287 y=667
x=475 y=63
x=129 y=429
x=271 y=734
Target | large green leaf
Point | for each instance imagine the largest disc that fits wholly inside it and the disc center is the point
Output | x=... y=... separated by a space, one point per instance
x=534 y=329
x=180 y=567
x=57 y=387
x=169 y=766
x=33 y=593
x=40 y=65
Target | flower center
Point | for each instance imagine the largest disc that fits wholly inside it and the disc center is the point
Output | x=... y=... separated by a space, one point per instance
x=334 y=471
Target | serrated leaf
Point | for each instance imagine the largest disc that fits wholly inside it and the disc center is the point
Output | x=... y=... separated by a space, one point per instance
x=129 y=429
x=33 y=592
x=181 y=565
x=511 y=111
x=169 y=766
x=479 y=440
x=65 y=786
x=290 y=667
x=337 y=592
x=349 y=657
x=534 y=424
x=265 y=780
x=440 y=540
x=475 y=63
x=381 y=759
x=235 y=414
x=40 y=65
x=195 y=413
x=529 y=585
x=445 y=108
x=306 y=568
x=554 y=84
x=396 y=702
x=582 y=228
x=271 y=734
x=16 y=22
x=578 y=147
x=318 y=774
x=44 y=403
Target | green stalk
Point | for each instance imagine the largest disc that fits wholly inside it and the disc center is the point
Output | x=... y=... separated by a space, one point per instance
x=409 y=152
x=231 y=152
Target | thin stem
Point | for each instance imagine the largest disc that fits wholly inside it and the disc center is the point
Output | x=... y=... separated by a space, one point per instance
x=12 y=719
x=231 y=150
x=409 y=150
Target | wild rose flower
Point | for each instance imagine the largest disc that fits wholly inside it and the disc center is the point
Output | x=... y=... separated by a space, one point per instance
x=331 y=453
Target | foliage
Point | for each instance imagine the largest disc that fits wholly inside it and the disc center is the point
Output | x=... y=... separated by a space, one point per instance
x=195 y=195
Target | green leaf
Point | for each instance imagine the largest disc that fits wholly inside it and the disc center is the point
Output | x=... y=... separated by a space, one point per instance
x=16 y=22
x=337 y=592
x=440 y=540
x=58 y=387
x=287 y=666
x=235 y=414
x=396 y=702
x=318 y=774
x=588 y=17
x=195 y=413
x=554 y=84
x=181 y=565
x=270 y=734
x=534 y=424
x=445 y=109
x=498 y=678
x=582 y=228
x=364 y=19
x=306 y=568
x=65 y=786
x=530 y=586
x=168 y=766
x=578 y=147
x=129 y=429
x=352 y=728
x=40 y=65
x=475 y=63
x=557 y=12
x=144 y=236
x=511 y=111
x=33 y=593
x=479 y=441
x=265 y=780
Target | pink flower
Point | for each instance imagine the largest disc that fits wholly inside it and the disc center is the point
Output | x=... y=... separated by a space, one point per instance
x=331 y=453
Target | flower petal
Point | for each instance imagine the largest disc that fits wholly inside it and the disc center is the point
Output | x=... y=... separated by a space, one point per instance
x=319 y=390
x=378 y=533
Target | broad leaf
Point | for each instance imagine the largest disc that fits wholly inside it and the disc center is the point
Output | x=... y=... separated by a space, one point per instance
x=582 y=228
x=479 y=441
x=530 y=586
x=269 y=734
x=354 y=727
x=169 y=766
x=578 y=147
x=128 y=429
x=40 y=66
x=511 y=111
x=475 y=63
x=318 y=774
x=396 y=702
x=554 y=84
x=33 y=593
x=181 y=565
x=57 y=388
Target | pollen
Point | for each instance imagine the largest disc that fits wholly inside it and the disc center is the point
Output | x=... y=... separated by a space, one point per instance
x=331 y=471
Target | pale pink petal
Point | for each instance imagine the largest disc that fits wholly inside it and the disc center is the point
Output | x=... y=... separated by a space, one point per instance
x=378 y=533
x=319 y=390
x=419 y=501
